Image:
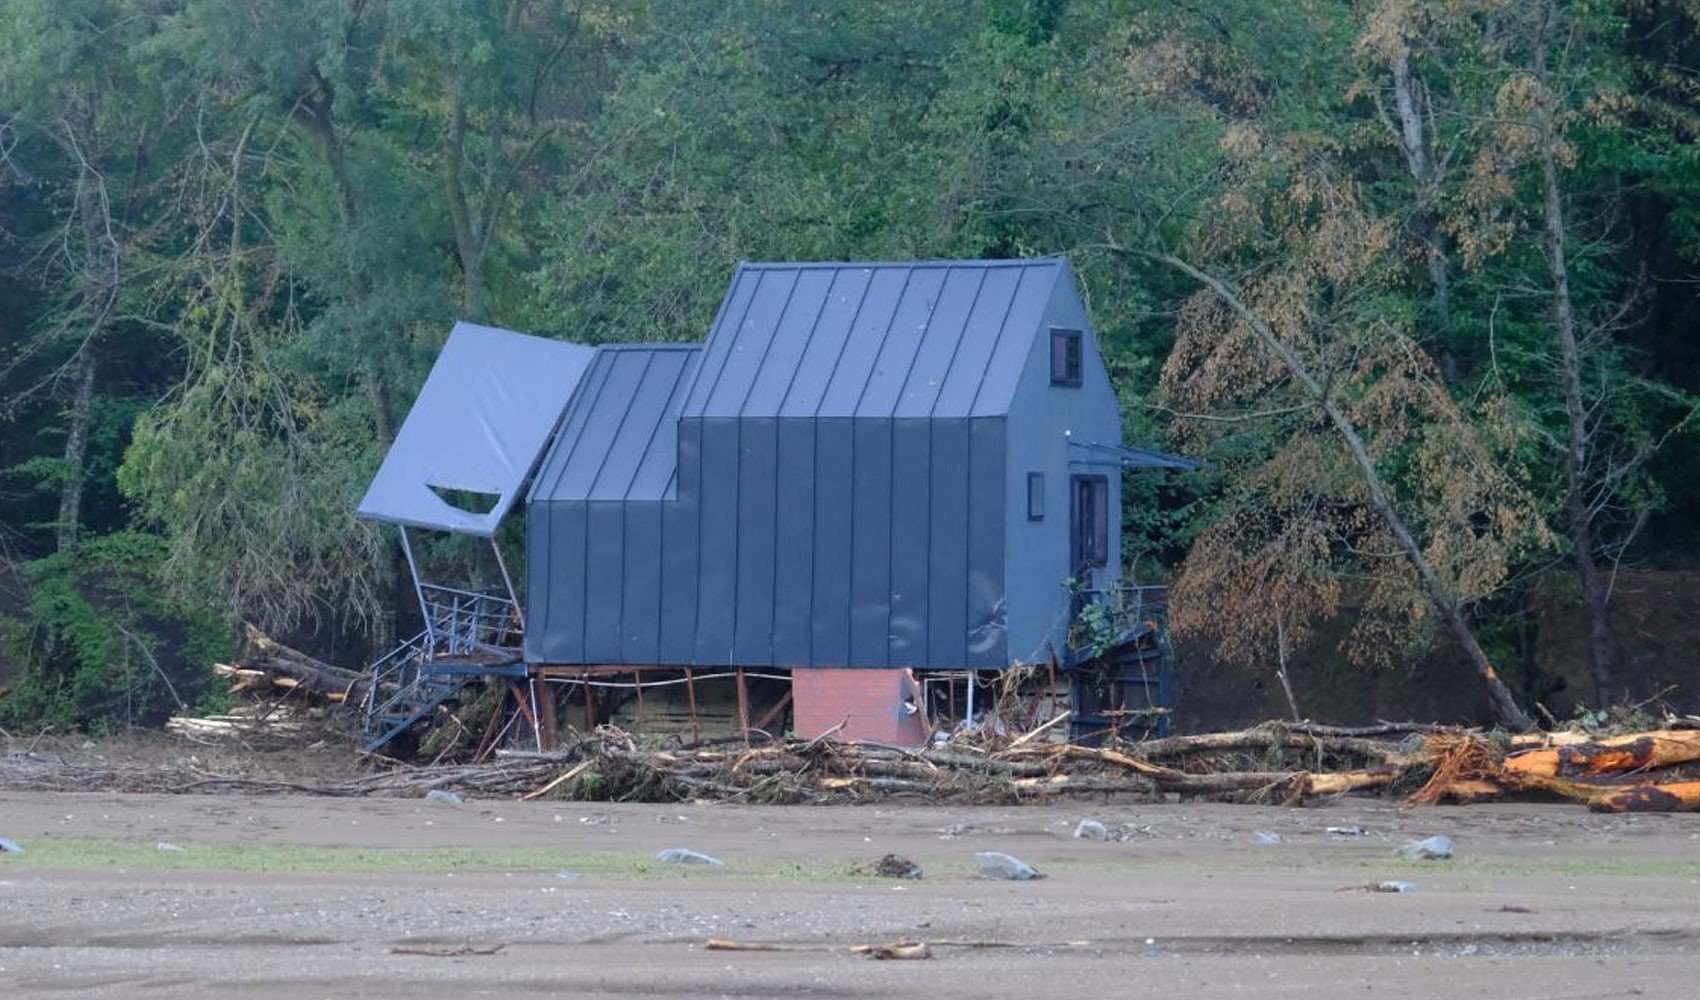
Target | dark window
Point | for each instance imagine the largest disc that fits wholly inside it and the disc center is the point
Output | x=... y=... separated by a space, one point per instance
x=1090 y=521
x=1035 y=496
x=1065 y=357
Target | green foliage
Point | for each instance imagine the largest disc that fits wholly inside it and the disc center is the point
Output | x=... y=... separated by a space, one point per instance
x=98 y=642
x=256 y=221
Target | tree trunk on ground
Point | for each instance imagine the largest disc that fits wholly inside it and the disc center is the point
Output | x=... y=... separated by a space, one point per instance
x=1578 y=515
x=1505 y=708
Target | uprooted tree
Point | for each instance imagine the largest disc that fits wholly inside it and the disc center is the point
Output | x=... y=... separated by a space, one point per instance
x=1349 y=459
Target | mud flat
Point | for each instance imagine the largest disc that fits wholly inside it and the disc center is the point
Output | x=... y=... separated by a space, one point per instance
x=314 y=897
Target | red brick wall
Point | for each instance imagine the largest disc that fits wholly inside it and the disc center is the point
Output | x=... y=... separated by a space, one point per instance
x=872 y=699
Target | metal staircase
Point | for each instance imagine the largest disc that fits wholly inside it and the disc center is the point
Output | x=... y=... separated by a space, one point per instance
x=1123 y=683
x=468 y=634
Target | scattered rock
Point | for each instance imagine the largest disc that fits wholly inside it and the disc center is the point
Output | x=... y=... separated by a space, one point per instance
x=445 y=797
x=1427 y=849
x=1091 y=829
x=681 y=856
x=1265 y=837
x=1347 y=831
x=995 y=865
x=567 y=876
x=1392 y=886
x=890 y=866
x=10 y=846
x=168 y=847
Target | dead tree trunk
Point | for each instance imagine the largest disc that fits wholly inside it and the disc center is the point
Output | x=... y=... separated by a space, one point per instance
x=75 y=467
x=1577 y=510
x=1505 y=708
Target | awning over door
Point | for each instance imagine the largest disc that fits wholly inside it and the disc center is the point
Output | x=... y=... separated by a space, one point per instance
x=485 y=414
x=1088 y=453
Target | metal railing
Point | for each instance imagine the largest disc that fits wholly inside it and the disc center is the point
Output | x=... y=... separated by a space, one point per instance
x=459 y=622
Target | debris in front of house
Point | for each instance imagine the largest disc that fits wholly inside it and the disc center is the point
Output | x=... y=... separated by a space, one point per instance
x=894 y=950
x=167 y=847
x=1428 y=849
x=1346 y=831
x=684 y=856
x=462 y=951
x=1091 y=829
x=992 y=864
x=890 y=866
x=1265 y=838
x=1388 y=886
x=9 y=846
x=443 y=796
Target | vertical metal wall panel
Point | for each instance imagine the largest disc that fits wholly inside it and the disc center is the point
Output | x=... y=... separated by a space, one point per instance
x=605 y=561
x=539 y=577
x=717 y=595
x=758 y=483
x=640 y=605
x=988 y=615
x=911 y=515
x=565 y=559
x=947 y=548
x=794 y=561
x=870 y=555
x=680 y=551
x=834 y=456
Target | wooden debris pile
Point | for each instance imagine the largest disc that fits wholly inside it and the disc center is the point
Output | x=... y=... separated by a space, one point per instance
x=269 y=669
x=1654 y=771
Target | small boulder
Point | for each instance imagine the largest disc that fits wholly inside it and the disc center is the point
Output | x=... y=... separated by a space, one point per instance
x=681 y=856
x=1427 y=849
x=167 y=847
x=10 y=846
x=995 y=865
x=1091 y=829
x=444 y=796
x=1265 y=837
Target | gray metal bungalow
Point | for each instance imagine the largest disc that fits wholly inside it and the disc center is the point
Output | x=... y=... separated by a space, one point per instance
x=887 y=468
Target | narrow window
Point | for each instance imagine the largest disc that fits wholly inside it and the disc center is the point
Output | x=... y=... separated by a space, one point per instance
x=1091 y=522
x=1035 y=496
x=1065 y=357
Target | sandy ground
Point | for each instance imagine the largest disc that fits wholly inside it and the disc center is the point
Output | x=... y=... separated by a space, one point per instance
x=1548 y=902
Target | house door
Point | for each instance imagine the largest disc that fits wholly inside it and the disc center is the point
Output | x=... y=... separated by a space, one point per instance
x=1089 y=527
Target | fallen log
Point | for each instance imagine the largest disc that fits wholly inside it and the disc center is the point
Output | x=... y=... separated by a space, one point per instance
x=1635 y=752
x=1676 y=796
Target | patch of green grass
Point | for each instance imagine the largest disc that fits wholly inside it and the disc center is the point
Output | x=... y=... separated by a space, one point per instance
x=55 y=853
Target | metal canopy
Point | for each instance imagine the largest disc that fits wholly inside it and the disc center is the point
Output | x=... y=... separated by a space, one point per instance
x=1091 y=453
x=484 y=416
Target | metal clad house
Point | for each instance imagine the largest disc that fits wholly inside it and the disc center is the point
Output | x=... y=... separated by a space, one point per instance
x=866 y=466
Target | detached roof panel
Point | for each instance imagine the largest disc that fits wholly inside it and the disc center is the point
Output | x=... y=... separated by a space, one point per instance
x=932 y=338
x=481 y=420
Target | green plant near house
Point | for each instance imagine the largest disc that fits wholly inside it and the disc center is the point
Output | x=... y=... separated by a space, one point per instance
x=99 y=643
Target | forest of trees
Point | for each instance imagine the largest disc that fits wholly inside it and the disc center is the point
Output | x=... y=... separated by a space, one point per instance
x=1419 y=278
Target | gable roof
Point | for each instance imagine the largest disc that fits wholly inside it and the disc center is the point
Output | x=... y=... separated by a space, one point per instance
x=620 y=438
x=915 y=339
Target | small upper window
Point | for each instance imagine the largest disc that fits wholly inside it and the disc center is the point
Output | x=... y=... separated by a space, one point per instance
x=1035 y=496
x=1065 y=357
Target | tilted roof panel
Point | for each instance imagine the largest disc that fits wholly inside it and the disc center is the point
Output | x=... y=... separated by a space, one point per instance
x=482 y=418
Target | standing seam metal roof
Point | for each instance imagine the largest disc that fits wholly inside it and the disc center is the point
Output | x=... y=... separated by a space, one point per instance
x=923 y=339
x=620 y=438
